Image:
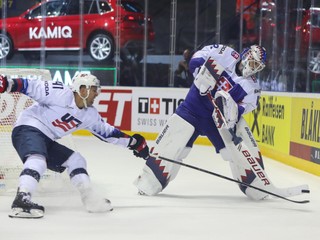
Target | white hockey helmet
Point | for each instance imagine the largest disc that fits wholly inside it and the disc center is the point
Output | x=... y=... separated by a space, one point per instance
x=253 y=60
x=84 y=79
x=87 y=80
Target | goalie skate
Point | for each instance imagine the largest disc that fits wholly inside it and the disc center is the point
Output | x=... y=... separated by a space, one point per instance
x=23 y=207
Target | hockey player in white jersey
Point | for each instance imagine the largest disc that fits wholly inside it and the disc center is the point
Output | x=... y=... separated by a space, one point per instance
x=225 y=78
x=59 y=111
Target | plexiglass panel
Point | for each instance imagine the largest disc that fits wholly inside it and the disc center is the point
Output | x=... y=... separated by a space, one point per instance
x=141 y=42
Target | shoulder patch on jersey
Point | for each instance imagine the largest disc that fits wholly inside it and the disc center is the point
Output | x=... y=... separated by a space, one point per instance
x=235 y=54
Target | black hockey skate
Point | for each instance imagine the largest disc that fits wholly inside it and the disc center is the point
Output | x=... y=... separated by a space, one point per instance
x=23 y=207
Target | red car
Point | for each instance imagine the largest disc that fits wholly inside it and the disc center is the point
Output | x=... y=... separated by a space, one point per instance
x=57 y=25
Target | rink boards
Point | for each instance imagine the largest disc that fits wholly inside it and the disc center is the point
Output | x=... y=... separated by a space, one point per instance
x=286 y=125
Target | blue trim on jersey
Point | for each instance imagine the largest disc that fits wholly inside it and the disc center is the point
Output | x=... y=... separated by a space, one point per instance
x=240 y=111
x=237 y=93
x=194 y=63
x=20 y=85
x=197 y=104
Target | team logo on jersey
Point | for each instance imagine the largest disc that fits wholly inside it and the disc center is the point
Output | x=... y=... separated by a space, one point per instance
x=235 y=54
x=223 y=84
x=67 y=122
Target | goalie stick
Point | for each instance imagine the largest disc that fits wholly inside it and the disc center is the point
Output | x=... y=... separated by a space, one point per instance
x=294 y=190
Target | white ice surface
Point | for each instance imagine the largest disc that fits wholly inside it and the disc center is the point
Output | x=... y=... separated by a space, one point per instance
x=195 y=205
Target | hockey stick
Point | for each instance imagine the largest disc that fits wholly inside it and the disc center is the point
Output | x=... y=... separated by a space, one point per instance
x=236 y=181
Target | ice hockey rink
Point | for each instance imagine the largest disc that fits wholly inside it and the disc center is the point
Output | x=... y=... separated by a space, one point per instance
x=195 y=205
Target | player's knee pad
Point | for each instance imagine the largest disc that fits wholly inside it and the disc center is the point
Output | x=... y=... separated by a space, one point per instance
x=33 y=169
x=170 y=143
x=75 y=161
x=77 y=169
x=35 y=163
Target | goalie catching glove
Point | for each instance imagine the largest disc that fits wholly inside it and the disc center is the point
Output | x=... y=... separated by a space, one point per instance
x=139 y=146
x=228 y=108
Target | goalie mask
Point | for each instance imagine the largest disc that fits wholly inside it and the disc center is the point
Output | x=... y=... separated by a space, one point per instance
x=87 y=80
x=253 y=60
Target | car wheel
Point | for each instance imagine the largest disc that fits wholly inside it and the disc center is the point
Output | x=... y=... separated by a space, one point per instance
x=6 y=47
x=314 y=63
x=101 y=47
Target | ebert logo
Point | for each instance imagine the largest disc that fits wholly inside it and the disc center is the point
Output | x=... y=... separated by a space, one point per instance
x=165 y=106
x=114 y=105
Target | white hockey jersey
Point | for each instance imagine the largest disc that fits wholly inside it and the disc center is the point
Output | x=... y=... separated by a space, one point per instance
x=244 y=91
x=56 y=114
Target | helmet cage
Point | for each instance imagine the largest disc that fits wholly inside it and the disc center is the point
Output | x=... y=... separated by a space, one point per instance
x=253 y=60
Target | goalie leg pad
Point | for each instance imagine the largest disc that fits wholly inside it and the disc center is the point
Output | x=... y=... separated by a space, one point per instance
x=248 y=176
x=170 y=143
x=246 y=161
x=147 y=182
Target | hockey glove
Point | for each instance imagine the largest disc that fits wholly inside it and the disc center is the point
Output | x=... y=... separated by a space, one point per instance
x=139 y=146
x=4 y=83
x=204 y=81
x=228 y=107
